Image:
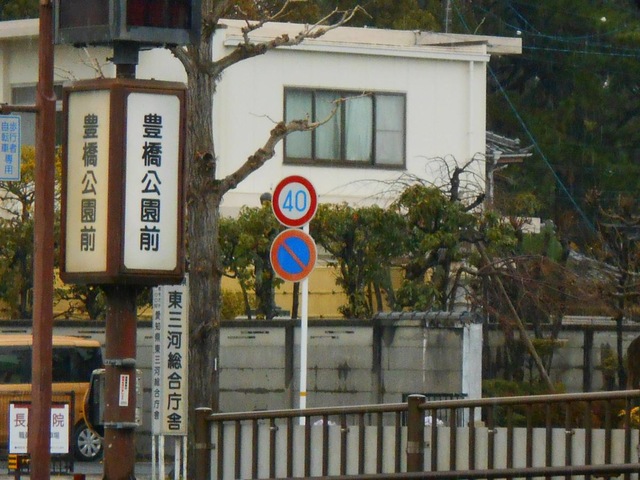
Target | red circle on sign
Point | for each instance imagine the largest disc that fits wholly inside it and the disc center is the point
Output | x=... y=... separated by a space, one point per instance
x=293 y=255
x=302 y=215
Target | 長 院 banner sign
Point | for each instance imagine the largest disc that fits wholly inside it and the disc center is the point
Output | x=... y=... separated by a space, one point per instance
x=169 y=386
x=18 y=424
x=122 y=182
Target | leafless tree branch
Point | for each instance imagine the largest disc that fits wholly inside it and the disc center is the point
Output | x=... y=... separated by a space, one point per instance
x=248 y=48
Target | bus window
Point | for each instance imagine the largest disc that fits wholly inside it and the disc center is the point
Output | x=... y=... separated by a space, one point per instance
x=15 y=365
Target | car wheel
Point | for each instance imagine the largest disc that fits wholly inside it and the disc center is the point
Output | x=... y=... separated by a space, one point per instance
x=87 y=444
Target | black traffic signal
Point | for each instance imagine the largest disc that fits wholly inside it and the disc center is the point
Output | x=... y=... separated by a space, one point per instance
x=146 y=22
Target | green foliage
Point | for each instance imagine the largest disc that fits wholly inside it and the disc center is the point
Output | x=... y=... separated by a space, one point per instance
x=508 y=388
x=363 y=243
x=16 y=271
x=436 y=231
x=574 y=91
x=545 y=243
x=18 y=9
x=82 y=300
x=517 y=415
x=418 y=296
x=246 y=243
x=233 y=304
x=393 y=14
x=16 y=250
x=16 y=240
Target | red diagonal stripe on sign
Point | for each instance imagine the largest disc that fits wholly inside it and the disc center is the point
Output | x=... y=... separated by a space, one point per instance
x=293 y=255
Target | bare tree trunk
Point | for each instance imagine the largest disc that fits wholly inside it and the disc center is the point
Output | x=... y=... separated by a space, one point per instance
x=205 y=192
x=203 y=202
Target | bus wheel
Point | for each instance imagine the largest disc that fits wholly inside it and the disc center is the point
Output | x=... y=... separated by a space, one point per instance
x=87 y=444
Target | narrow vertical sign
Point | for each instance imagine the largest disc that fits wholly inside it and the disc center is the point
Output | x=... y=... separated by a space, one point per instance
x=87 y=181
x=152 y=202
x=169 y=389
x=10 y=146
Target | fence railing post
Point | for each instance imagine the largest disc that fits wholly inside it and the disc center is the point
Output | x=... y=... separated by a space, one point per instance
x=203 y=444
x=415 y=434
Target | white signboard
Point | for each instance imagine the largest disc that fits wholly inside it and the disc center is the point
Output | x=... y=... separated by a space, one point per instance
x=87 y=181
x=19 y=428
x=10 y=147
x=151 y=198
x=169 y=388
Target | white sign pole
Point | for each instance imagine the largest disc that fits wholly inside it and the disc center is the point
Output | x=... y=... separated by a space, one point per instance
x=161 y=457
x=294 y=204
x=177 y=461
x=184 y=457
x=304 y=336
x=154 y=457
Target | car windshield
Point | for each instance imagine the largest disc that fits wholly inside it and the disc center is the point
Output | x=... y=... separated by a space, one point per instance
x=70 y=364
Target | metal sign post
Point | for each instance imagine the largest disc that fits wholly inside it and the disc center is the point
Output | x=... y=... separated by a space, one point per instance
x=293 y=252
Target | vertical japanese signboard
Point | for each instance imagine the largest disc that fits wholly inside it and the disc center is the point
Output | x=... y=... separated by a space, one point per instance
x=151 y=208
x=87 y=201
x=10 y=146
x=169 y=388
x=122 y=196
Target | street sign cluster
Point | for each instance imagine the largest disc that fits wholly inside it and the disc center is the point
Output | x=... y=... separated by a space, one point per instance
x=293 y=252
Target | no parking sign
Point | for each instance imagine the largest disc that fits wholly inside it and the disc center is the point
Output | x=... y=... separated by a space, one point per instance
x=293 y=255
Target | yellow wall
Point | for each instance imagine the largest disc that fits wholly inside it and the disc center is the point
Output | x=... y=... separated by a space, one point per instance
x=324 y=295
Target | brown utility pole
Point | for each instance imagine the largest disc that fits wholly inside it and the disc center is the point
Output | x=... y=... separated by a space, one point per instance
x=40 y=421
x=120 y=381
x=120 y=346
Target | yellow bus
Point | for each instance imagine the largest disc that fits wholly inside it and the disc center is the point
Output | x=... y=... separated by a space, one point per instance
x=73 y=360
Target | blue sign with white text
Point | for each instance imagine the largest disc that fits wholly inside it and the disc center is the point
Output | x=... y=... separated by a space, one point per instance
x=10 y=147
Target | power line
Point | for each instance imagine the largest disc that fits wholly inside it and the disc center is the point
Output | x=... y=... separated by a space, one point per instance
x=532 y=139
x=584 y=52
x=591 y=39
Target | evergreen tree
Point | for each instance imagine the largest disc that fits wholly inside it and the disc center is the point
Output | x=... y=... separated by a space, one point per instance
x=18 y=9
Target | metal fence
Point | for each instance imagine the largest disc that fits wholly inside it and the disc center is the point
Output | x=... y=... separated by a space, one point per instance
x=568 y=435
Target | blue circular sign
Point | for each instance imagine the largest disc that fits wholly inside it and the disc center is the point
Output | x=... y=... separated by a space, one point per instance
x=293 y=255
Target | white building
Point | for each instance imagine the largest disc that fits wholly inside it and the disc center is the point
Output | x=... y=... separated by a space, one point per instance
x=417 y=97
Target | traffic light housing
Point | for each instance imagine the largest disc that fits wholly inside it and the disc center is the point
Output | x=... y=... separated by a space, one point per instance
x=145 y=22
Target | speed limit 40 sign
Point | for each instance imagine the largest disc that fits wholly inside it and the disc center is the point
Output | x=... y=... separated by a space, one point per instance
x=294 y=201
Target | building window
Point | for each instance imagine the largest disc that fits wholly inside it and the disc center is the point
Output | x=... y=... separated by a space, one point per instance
x=366 y=129
x=26 y=95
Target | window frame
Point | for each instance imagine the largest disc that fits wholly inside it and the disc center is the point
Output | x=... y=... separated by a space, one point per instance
x=342 y=161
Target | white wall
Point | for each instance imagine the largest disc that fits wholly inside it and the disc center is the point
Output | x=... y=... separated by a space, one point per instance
x=445 y=116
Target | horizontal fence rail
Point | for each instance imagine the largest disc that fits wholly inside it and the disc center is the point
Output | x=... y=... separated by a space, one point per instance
x=568 y=435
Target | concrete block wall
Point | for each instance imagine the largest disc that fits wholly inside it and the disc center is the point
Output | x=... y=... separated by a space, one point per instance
x=352 y=362
x=348 y=363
